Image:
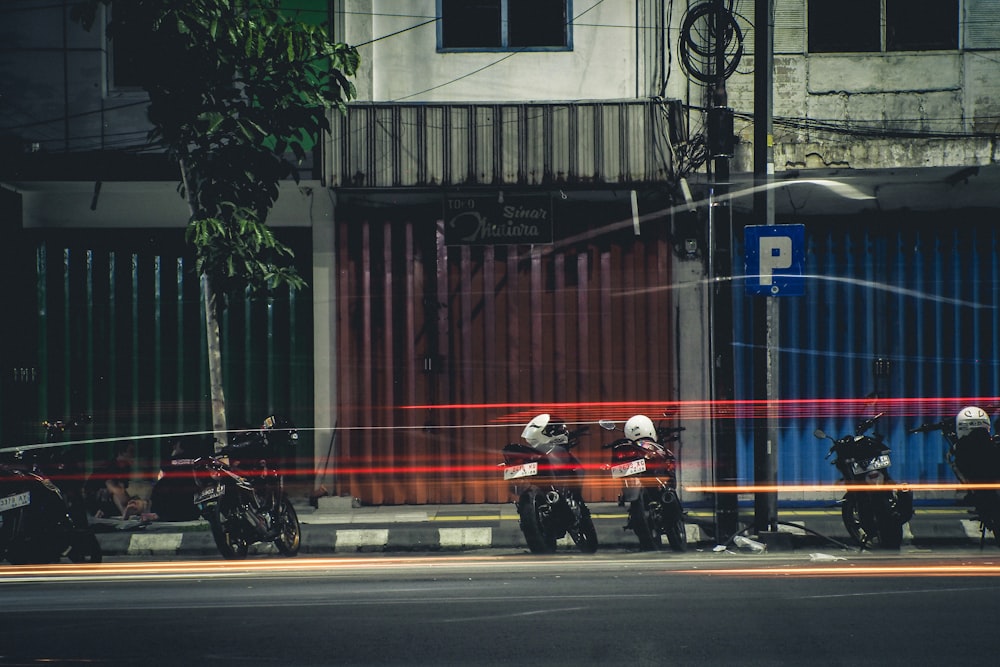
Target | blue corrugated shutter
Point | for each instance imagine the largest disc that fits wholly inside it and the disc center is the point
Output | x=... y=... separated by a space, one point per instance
x=915 y=289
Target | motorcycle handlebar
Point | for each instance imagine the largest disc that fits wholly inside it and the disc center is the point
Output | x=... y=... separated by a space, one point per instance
x=927 y=428
x=619 y=441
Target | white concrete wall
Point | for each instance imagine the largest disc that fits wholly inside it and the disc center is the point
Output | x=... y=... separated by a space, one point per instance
x=953 y=97
x=402 y=63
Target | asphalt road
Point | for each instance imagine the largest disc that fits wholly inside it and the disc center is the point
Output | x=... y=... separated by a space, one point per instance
x=509 y=609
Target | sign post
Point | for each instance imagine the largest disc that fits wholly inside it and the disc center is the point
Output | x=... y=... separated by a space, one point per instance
x=774 y=262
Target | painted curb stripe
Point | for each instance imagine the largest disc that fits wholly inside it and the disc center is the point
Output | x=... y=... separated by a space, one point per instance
x=150 y=543
x=355 y=538
x=465 y=537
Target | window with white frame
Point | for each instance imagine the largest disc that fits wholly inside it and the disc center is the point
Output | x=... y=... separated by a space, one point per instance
x=874 y=26
x=499 y=25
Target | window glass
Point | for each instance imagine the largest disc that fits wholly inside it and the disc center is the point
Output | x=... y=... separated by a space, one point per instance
x=470 y=24
x=921 y=25
x=127 y=54
x=844 y=26
x=537 y=22
x=504 y=24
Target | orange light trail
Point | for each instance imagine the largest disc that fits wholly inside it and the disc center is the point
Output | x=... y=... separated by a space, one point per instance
x=851 y=570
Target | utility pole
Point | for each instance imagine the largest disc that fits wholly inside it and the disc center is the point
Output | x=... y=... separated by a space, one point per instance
x=765 y=309
x=720 y=223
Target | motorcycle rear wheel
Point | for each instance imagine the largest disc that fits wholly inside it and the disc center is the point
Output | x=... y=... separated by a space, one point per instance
x=290 y=538
x=540 y=540
x=641 y=523
x=677 y=534
x=231 y=543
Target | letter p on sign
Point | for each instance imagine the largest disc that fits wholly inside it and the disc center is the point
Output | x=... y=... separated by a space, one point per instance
x=775 y=256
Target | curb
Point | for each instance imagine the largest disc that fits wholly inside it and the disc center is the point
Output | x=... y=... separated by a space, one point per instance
x=320 y=536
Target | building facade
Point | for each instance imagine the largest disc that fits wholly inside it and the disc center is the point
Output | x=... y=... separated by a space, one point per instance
x=498 y=227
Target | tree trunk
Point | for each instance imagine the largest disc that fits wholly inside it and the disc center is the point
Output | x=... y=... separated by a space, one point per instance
x=214 y=362
x=212 y=337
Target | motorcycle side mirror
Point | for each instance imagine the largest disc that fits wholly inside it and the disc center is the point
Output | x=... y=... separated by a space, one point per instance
x=607 y=424
x=821 y=434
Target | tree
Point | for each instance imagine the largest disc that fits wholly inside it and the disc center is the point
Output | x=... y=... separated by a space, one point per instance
x=238 y=89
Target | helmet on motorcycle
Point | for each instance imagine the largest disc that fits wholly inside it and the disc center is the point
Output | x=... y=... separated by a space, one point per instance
x=969 y=419
x=545 y=431
x=640 y=426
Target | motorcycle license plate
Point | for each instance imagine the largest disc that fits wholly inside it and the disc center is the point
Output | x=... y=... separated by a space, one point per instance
x=877 y=463
x=15 y=501
x=630 y=468
x=209 y=494
x=525 y=470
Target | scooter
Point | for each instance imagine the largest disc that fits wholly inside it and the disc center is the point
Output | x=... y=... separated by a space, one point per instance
x=241 y=492
x=873 y=515
x=546 y=478
x=42 y=516
x=974 y=456
x=647 y=470
x=35 y=525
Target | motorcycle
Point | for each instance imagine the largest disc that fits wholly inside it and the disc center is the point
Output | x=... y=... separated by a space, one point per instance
x=64 y=466
x=42 y=514
x=647 y=469
x=974 y=456
x=872 y=517
x=35 y=523
x=546 y=478
x=241 y=492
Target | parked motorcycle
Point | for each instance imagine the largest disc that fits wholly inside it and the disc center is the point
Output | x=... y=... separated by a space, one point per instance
x=647 y=469
x=875 y=517
x=974 y=456
x=242 y=495
x=547 y=480
x=35 y=523
x=64 y=465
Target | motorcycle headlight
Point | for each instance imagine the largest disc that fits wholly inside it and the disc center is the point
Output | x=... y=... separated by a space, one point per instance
x=205 y=475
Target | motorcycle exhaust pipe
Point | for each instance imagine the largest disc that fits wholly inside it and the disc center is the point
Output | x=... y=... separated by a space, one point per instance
x=552 y=497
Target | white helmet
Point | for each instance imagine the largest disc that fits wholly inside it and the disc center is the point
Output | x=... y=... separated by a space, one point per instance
x=969 y=419
x=640 y=426
x=543 y=432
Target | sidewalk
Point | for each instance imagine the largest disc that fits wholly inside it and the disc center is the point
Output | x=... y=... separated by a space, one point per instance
x=336 y=527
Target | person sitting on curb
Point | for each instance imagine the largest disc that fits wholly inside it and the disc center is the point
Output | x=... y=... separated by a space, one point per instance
x=108 y=493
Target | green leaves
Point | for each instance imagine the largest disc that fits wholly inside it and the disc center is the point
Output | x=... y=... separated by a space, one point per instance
x=238 y=95
x=241 y=252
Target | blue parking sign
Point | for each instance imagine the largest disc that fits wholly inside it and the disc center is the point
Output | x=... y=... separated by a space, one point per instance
x=775 y=258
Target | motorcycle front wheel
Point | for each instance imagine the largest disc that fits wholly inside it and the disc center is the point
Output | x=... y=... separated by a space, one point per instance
x=987 y=508
x=85 y=548
x=585 y=535
x=536 y=533
x=290 y=536
x=229 y=540
x=641 y=523
x=871 y=522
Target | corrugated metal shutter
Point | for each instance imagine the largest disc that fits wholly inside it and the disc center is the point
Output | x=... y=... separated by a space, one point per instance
x=789 y=26
x=911 y=288
x=446 y=352
x=406 y=145
x=981 y=24
x=120 y=336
